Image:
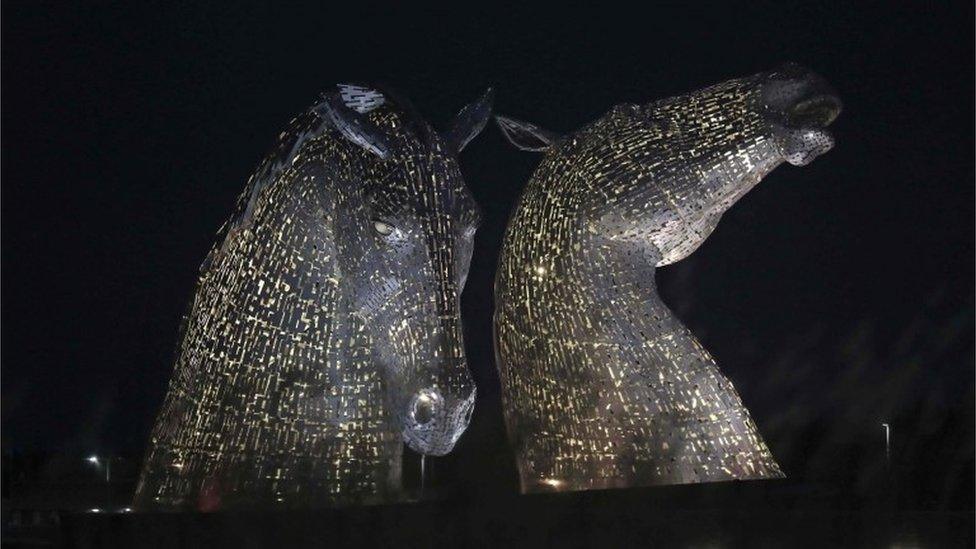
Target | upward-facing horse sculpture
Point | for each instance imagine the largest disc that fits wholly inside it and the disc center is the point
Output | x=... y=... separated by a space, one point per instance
x=603 y=386
x=325 y=330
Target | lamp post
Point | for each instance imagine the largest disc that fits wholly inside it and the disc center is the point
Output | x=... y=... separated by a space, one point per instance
x=887 y=430
x=97 y=462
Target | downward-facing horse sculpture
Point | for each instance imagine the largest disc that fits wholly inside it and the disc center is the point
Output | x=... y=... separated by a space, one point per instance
x=325 y=329
x=602 y=385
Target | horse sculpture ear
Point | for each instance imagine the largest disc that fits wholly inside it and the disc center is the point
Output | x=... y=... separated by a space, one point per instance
x=525 y=136
x=470 y=121
x=344 y=110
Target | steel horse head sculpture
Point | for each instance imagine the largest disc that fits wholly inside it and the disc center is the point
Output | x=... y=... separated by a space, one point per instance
x=603 y=386
x=325 y=329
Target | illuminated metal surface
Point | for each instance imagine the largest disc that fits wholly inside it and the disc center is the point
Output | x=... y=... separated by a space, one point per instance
x=602 y=385
x=325 y=328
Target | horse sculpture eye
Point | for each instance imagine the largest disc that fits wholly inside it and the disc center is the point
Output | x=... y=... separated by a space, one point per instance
x=382 y=228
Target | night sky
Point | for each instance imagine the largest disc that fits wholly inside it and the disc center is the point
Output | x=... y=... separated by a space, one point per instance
x=835 y=296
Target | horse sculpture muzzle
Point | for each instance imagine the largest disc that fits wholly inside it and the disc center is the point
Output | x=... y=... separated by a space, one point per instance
x=435 y=421
x=436 y=414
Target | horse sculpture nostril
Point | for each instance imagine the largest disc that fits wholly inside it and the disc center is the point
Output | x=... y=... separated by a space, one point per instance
x=423 y=412
x=424 y=407
x=798 y=97
x=818 y=111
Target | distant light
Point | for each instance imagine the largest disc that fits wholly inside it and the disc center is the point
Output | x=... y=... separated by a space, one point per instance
x=95 y=510
x=93 y=459
x=127 y=509
x=555 y=483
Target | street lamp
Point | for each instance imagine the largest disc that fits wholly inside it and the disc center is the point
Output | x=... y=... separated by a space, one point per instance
x=94 y=460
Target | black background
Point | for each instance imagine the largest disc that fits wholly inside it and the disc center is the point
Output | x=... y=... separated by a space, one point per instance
x=836 y=296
